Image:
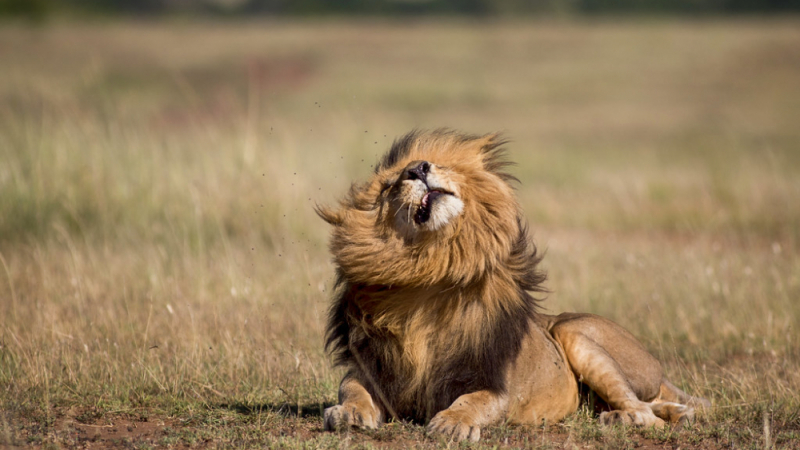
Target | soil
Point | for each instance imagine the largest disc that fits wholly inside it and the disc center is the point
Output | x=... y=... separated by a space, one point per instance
x=86 y=430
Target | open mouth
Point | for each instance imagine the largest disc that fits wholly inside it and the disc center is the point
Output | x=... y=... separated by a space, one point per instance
x=426 y=204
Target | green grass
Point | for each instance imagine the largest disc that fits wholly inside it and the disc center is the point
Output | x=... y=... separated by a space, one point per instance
x=164 y=278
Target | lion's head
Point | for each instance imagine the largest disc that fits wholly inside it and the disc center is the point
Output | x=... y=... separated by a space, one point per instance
x=439 y=210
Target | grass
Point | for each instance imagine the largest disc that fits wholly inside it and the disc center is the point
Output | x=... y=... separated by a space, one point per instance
x=164 y=278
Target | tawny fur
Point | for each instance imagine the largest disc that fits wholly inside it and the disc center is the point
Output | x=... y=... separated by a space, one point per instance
x=434 y=318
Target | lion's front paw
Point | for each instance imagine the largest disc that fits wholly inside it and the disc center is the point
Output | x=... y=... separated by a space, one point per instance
x=639 y=418
x=455 y=426
x=343 y=416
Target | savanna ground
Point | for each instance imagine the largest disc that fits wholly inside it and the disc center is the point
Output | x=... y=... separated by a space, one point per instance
x=164 y=279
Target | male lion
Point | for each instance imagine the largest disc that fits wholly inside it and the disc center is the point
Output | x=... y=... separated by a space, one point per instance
x=433 y=317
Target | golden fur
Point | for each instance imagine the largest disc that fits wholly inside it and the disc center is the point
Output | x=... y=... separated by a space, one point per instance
x=433 y=316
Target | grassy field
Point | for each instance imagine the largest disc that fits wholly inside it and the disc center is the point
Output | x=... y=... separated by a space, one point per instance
x=164 y=279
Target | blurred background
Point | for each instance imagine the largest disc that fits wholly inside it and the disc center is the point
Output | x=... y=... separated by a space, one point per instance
x=160 y=161
x=394 y=8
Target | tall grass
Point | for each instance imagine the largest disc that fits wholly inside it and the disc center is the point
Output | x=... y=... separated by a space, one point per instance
x=158 y=243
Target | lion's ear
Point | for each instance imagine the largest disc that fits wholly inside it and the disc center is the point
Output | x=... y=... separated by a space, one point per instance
x=333 y=217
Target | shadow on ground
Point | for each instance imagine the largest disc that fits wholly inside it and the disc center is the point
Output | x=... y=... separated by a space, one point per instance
x=302 y=410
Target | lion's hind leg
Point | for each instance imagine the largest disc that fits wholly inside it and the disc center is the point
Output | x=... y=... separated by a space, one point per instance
x=598 y=370
x=614 y=365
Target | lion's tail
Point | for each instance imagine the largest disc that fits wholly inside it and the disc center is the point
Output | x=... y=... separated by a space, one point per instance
x=670 y=393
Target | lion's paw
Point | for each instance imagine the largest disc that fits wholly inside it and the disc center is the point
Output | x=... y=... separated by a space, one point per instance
x=455 y=426
x=638 y=418
x=348 y=415
x=675 y=413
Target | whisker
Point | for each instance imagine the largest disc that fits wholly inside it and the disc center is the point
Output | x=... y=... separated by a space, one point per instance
x=399 y=209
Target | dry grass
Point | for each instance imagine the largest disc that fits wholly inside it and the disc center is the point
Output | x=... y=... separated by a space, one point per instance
x=161 y=261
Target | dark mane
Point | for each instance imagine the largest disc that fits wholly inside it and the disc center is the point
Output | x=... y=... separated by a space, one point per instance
x=465 y=370
x=337 y=332
x=525 y=256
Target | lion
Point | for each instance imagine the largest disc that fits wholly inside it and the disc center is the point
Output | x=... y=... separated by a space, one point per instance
x=434 y=317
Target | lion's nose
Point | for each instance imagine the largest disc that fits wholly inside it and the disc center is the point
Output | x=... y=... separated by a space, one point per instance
x=418 y=171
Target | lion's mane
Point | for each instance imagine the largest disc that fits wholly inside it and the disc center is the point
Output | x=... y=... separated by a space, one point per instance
x=429 y=318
